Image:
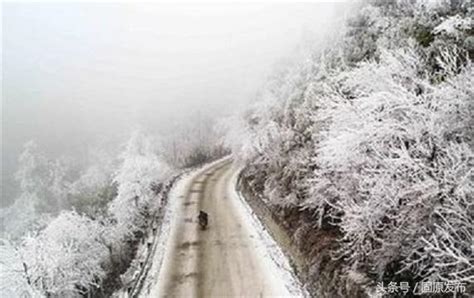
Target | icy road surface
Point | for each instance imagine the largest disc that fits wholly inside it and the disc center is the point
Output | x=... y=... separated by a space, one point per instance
x=234 y=257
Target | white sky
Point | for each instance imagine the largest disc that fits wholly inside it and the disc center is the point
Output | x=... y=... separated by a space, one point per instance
x=77 y=73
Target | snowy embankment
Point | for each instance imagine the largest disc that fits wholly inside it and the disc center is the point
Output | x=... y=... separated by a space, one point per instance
x=275 y=260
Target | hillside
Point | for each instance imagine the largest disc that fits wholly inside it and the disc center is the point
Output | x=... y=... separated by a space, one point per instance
x=363 y=147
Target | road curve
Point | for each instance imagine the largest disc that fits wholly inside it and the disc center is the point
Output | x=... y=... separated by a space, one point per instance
x=222 y=261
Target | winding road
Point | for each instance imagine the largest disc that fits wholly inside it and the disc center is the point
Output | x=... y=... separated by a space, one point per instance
x=229 y=258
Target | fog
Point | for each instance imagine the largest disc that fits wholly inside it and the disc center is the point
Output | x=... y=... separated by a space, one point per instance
x=79 y=75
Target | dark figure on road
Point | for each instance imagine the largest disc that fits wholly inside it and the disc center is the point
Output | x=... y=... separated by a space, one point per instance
x=203 y=219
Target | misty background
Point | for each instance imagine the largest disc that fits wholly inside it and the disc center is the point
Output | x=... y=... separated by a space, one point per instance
x=78 y=76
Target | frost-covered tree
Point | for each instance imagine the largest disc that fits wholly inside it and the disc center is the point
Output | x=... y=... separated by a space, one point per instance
x=275 y=133
x=14 y=273
x=32 y=169
x=58 y=186
x=191 y=143
x=92 y=191
x=398 y=166
x=31 y=177
x=139 y=170
x=21 y=216
x=90 y=225
x=67 y=256
x=64 y=259
x=42 y=179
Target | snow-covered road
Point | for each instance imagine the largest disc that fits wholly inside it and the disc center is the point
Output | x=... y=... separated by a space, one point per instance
x=234 y=257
